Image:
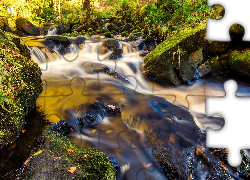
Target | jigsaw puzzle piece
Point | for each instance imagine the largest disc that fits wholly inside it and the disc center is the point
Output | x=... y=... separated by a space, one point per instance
x=234 y=13
x=224 y=137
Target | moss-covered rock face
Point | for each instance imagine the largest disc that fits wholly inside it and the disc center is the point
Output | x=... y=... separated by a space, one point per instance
x=60 y=156
x=169 y=62
x=239 y=63
x=27 y=27
x=20 y=85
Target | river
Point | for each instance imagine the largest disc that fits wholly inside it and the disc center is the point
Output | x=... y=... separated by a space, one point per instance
x=160 y=132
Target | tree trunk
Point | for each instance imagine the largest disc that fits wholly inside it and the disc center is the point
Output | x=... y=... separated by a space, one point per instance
x=86 y=7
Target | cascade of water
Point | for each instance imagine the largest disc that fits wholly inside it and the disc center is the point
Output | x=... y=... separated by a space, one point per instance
x=129 y=67
x=51 y=32
x=38 y=54
x=126 y=47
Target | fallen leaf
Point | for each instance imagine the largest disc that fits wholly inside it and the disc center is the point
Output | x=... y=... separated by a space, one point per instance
x=55 y=159
x=38 y=152
x=147 y=165
x=70 y=150
x=199 y=150
x=27 y=161
x=222 y=164
x=14 y=145
x=72 y=169
x=109 y=131
x=170 y=119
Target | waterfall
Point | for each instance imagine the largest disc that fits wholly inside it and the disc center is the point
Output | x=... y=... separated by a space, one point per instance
x=126 y=47
x=51 y=32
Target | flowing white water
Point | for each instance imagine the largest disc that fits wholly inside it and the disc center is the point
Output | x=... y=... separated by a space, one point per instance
x=51 y=32
x=129 y=67
x=72 y=64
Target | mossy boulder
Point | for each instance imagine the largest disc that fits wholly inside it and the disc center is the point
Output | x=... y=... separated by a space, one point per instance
x=27 y=27
x=169 y=62
x=239 y=63
x=61 y=159
x=20 y=86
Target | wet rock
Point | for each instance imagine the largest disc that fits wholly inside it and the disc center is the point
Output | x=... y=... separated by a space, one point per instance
x=169 y=62
x=117 y=53
x=60 y=41
x=112 y=44
x=58 y=155
x=94 y=114
x=139 y=44
x=27 y=27
x=204 y=69
x=80 y=42
x=62 y=127
x=92 y=68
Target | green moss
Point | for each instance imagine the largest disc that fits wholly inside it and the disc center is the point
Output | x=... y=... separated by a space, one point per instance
x=239 y=62
x=169 y=60
x=107 y=34
x=111 y=27
x=124 y=34
x=3 y=23
x=89 y=161
x=20 y=85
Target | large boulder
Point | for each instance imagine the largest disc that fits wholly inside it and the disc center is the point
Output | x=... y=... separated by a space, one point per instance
x=172 y=61
x=20 y=86
x=58 y=158
x=27 y=27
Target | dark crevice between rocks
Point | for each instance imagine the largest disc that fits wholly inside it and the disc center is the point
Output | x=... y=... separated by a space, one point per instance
x=29 y=141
